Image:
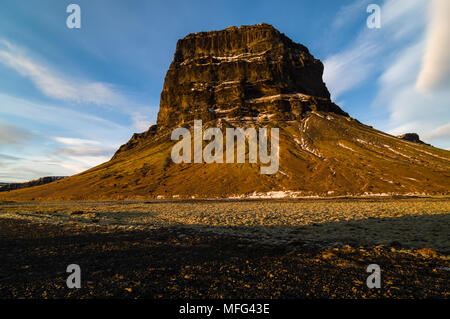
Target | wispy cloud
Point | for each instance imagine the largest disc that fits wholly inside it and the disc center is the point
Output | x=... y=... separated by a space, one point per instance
x=13 y=135
x=34 y=167
x=350 y=68
x=349 y=12
x=75 y=141
x=435 y=72
x=392 y=57
x=86 y=150
x=411 y=109
x=64 y=142
x=442 y=131
x=54 y=84
x=82 y=147
x=8 y=157
x=56 y=116
x=73 y=135
x=141 y=121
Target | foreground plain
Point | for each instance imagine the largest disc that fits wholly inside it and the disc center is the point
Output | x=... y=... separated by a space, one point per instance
x=226 y=249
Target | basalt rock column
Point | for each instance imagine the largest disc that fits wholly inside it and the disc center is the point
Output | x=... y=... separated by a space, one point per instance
x=241 y=71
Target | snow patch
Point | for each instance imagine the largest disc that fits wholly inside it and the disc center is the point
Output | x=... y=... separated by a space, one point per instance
x=283 y=173
x=434 y=155
x=346 y=147
x=272 y=98
x=397 y=152
x=308 y=149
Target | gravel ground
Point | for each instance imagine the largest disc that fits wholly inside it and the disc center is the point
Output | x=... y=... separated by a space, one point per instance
x=412 y=222
x=226 y=249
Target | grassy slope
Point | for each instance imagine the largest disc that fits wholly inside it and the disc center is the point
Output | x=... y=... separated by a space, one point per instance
x=322 y=154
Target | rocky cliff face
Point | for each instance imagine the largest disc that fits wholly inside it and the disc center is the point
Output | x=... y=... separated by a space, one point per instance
x=245 y=71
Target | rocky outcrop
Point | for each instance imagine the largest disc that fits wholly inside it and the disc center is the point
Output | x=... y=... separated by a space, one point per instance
x=412 y=137
x=241 y=71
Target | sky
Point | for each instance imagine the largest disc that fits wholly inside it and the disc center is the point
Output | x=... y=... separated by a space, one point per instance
x=70 y=97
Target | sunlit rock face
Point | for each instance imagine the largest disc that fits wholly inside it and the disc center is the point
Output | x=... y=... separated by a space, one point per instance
x=241 y=71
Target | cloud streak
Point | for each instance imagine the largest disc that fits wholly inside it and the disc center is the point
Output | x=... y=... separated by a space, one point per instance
x=75 y=141
x=86 y=150
x=56 y=85
x=13 y=135
x=435 y=72
x=141 y=121
x=64 y=142
x=351 y=67
x=349 y=12
x=409 y=60
x=440 y=132
x=346 y=70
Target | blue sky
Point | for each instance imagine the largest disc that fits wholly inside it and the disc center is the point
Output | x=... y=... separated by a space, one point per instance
x=70 y=97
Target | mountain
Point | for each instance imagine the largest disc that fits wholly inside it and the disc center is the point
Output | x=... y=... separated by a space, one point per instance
x=40 y=181
x=255 y=76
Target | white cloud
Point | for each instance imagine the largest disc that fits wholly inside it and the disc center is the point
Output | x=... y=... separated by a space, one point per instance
x=435 y=72
x=396 y=52
x=403 y=18
x=75 y=165
x=349 y=12
x=85 y=141
x=55 y=116
x=9 y=157
x=403 y=69
x=75 y=141
x=366 y=56
x=348 y=69
x=78 y=147
x=34 y=167
x=86 y=150
x=141 y=121
x=13 y=135
x=412 y=110
x=56 y=85
x=442 y=131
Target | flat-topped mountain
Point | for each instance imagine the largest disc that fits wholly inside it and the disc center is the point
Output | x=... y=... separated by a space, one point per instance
x=242 y=71
x=251 y=71
x=255 y=77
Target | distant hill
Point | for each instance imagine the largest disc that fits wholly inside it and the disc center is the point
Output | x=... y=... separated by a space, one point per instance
x=255 y=76
x=40 y=181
